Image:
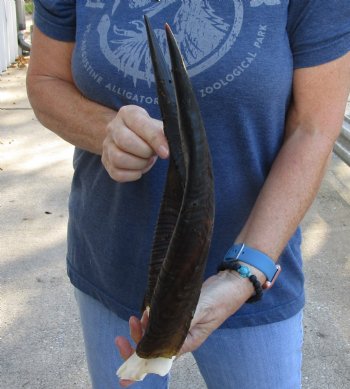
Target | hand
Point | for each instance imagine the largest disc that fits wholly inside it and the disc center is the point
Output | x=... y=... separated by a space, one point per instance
x=137 y=329
x=134 y=141
x=221 y=296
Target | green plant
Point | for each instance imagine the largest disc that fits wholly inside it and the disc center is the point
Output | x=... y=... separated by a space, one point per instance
x=29 y=7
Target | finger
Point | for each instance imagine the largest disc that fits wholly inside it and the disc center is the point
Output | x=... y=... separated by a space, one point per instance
x=123 y=175
x=151 y=162
x=197 y=334
x=136 y=331
x=144 y=319
x=192 y=341
x=125 y=351
x=123 y=167
x=147 y=128
x=124 y=347
x=156 y=138
x=186 y=347
x=129 y=141
x=125 y=383
x=123 y=160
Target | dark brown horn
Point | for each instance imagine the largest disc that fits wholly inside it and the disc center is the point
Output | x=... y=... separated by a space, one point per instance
x=179 y=282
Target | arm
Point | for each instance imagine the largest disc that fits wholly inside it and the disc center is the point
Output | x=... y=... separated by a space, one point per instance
x=57 y=102
x=313 y=124
x=128 y=139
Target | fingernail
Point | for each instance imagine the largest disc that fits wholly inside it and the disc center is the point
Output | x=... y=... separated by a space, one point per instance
x=152 y=160
x=150 y=164
x=163 y=152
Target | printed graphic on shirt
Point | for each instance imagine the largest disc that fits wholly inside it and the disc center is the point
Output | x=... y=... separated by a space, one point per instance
x=256 y=3
x=123 y=40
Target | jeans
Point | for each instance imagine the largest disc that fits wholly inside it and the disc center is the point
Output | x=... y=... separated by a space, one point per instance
x=265 y=357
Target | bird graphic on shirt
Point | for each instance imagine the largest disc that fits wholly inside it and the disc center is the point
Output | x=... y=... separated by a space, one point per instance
x=124 y=43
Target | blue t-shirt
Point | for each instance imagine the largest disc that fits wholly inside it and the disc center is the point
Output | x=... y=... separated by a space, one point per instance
x=241 y=56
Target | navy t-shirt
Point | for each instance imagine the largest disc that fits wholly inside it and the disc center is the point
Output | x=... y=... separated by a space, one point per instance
x=240 y=55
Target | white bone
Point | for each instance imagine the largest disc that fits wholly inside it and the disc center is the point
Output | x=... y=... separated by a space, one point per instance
x=136 y=368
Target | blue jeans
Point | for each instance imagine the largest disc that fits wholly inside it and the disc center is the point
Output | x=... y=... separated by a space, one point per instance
x=264 y=357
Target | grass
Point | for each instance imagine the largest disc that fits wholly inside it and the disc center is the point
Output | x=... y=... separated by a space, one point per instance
x=29 y=7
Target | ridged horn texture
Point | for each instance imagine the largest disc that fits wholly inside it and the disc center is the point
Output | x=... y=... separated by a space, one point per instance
x=186 y=218
x=176 y=177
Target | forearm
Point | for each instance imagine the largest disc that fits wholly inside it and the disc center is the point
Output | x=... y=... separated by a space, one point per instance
x=312 y=126
x=286 y=195
x=57 y=102
x=288 y=192
x=60 y=107
x=129 y=140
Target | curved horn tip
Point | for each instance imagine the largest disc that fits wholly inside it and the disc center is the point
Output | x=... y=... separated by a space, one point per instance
x=168 y=29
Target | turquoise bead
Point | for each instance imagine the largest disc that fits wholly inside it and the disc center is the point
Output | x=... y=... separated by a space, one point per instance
x=244 y=272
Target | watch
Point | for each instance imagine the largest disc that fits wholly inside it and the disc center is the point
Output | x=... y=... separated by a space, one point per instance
x=241 y=252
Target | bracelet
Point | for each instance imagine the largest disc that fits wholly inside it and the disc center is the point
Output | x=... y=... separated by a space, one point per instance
x=253 y=257
x=244 y=272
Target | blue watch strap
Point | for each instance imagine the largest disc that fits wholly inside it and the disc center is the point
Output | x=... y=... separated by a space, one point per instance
x=256 y=258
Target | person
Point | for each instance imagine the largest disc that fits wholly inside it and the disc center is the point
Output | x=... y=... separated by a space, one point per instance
x=272 y=79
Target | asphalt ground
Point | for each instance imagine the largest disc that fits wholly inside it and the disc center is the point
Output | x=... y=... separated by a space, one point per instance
x=40 y=339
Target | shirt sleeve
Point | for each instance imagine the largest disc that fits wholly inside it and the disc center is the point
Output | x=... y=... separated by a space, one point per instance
x=319 y=31
x=56 y=18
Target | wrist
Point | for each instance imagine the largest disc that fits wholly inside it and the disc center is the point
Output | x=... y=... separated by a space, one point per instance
x=240 y=287
x=254 y=270
x=258 y=262
x=245 y=273
x=252 y=265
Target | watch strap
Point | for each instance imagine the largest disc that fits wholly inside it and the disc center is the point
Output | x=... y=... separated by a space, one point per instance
x=241 y=252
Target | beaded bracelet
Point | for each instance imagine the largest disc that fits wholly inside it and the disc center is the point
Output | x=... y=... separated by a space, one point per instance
x=244 y=272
